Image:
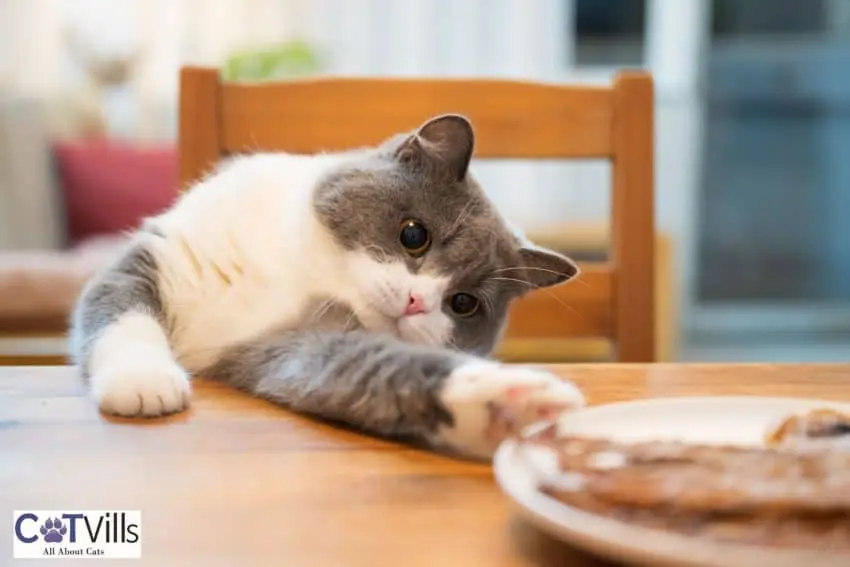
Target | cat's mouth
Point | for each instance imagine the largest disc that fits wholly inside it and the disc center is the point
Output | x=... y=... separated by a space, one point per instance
x=400 y=326
x=417 y=328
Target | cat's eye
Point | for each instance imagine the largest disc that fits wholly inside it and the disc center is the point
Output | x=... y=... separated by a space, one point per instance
x=464 y=304
x=414 y=237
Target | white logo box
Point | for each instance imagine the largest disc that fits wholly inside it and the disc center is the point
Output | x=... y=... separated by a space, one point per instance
x=77 y=534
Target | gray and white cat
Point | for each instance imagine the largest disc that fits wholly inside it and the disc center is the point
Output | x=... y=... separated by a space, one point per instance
x=366 y=287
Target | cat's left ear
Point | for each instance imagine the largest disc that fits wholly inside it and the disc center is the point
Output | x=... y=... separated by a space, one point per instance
x=448 y=139
x=544 y=267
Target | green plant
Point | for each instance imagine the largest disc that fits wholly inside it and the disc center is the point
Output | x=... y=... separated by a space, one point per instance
x=293 y=58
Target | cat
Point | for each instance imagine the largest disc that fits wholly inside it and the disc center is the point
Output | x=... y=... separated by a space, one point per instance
x=365 y=287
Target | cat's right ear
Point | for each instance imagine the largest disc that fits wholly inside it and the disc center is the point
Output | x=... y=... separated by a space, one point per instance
x=446 y=140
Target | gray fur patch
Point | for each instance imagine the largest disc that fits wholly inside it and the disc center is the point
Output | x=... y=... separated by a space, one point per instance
x=366 y=380
x=129 y=284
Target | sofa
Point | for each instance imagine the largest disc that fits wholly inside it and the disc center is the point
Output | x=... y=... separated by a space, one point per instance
x=65 y=206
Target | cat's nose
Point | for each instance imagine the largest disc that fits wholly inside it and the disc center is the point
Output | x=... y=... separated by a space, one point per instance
x=415 y=305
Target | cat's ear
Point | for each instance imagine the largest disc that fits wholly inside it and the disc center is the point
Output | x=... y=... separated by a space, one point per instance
x=544 y=267
x=448 y=139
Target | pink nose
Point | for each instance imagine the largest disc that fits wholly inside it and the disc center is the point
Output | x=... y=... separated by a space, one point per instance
x=415 y=305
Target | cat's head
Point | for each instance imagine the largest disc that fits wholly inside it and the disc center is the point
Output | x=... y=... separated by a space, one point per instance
x=428 y=256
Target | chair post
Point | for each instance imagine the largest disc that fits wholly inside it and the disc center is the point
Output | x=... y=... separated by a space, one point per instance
x=633 y=217
x=199 y=133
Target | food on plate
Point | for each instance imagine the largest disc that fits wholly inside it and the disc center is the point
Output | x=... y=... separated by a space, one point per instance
x=819 y=428
x=746 y=495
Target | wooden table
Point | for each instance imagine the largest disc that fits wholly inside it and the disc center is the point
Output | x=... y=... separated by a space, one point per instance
x=239 y=482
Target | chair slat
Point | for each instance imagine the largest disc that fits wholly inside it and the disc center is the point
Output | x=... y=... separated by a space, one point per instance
x=633 y=219
x=512 y=119
x=199 y=126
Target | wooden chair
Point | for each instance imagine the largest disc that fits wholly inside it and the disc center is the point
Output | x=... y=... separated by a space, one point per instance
x=512 y=120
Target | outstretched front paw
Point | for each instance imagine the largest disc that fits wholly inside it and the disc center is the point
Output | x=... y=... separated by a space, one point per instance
x=490 y=402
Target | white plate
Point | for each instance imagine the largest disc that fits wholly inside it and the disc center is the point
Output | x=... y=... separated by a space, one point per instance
x=736 y=420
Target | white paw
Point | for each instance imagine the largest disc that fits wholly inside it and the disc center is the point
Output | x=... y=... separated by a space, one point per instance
x=138 y=387
x=490 y=402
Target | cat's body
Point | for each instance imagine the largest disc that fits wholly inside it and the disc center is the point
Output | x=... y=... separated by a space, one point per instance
x=243 y=254
x=359 y=286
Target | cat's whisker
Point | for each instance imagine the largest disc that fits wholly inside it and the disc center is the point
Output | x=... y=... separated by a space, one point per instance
x=464 y=212
x=511 y=268
x=348 y=321
x=538 y=288
x=385 y=289
x=486 y=297
x=322 y=310
x=513 y=280
x=576 y=279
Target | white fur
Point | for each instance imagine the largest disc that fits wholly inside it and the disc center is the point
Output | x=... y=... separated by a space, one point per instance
x=520 y=392
x=135 y=372
x=254 y=223
x=243 y=253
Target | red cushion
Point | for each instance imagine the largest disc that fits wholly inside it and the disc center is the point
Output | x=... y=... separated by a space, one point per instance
x=110 y=186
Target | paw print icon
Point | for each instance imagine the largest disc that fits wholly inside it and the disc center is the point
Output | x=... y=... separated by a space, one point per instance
x=53 y=530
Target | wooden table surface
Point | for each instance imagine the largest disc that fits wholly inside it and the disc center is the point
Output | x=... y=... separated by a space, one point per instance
x=239 y=482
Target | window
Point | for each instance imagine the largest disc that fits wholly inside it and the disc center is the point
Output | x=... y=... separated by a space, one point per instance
x=609 y=33
x=776 y=184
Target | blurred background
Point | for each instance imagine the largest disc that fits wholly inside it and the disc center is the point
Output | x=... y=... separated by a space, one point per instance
x=752 y=136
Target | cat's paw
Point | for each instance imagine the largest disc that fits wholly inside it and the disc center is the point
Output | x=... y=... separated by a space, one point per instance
x=141 y=387
x=490 y=402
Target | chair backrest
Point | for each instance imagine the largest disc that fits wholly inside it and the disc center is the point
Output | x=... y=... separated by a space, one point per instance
x=513 y=119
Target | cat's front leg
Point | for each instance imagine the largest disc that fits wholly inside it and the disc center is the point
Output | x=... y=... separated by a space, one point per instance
x=132 y=370
x=489 y=402
x=448 y=399
x=119 y=342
